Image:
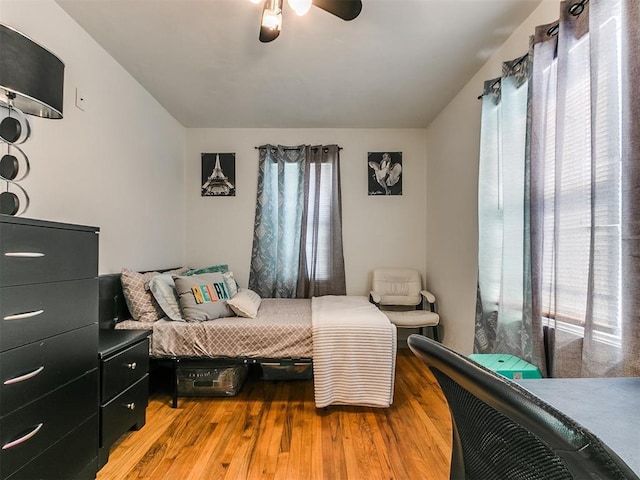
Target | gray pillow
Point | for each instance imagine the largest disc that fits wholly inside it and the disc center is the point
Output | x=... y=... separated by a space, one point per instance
x=202 y=297
x=230 y=282
x=163 y=289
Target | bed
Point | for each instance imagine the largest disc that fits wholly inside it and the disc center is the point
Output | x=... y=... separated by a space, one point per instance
x=282 y=330
x=351 y=344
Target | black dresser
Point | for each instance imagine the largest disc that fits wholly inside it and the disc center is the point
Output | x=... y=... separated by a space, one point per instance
x=48 y=350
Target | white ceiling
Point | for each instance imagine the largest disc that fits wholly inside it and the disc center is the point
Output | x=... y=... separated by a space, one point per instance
x=395 y=66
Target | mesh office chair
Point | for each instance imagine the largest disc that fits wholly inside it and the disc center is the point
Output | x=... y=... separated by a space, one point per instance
x=501 y=431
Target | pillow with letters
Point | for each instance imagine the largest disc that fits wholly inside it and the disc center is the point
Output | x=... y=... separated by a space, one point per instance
x=202 y=297
x=223 y=268
x=140 y=301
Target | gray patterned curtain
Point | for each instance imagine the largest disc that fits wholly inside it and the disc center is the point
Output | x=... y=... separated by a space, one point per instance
x=277 y=230
x=297 y=242
x=581 y=212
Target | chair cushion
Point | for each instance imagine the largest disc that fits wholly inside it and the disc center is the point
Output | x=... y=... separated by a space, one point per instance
x=412 y=318
x=397 y=286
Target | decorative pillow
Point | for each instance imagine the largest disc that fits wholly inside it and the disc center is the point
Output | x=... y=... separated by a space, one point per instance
x=163 y=290
x=139 y=299
x=245 y=303
x=212 y=269
x=202 y=297
x=231 y=284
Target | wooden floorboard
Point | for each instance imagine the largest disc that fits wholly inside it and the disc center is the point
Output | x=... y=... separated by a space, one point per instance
x=272 y=430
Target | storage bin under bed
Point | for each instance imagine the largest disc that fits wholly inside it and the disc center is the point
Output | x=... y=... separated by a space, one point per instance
x=287 y=370
x=199 y=378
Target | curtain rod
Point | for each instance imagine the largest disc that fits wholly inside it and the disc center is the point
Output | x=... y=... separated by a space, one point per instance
x=294 y=148
x=577 y=8
x=498 y=80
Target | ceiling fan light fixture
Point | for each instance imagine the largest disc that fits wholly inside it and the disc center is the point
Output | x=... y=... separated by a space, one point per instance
x=272 y=15
x=300 y=6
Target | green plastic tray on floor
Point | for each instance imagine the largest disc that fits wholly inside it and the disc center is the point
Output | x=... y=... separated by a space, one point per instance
x=507 y=365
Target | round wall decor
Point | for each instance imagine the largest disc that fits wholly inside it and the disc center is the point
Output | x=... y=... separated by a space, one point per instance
x=9 y=203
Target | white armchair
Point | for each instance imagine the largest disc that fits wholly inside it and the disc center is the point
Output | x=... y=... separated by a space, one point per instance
x=398 y=293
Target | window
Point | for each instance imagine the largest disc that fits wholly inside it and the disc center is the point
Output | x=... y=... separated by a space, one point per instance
x=297 y=242
x=319 y=247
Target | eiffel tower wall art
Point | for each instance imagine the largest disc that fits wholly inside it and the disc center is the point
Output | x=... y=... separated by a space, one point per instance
x=218 y=175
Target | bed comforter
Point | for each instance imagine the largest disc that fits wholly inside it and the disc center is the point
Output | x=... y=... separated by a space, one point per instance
x=354 y=352
x=281 y=330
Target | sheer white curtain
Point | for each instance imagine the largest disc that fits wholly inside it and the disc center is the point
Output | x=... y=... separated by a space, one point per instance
x=576 y=170
x=501 y=208
x=630 y=189
x=581 y=194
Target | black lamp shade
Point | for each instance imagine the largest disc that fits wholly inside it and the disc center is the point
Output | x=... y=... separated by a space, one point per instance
x=32 y=73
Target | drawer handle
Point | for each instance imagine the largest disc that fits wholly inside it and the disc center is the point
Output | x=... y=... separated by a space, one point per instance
x=24 y=377
x=23 y=438
x=24 y=254
x=131 y=406
x=132 y=365
x=22 y=316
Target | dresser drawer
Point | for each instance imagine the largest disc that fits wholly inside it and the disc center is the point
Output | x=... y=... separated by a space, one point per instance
x=124 y=411
x=32 y=312
x=55 y=462
x=29 y=431
x=124 y=369
x=29 y=372
x=31 y=254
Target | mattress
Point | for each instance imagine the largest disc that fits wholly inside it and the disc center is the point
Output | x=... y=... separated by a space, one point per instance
x=281 y=330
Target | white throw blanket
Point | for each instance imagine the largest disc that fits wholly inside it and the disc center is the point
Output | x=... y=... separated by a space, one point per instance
x=354 y=352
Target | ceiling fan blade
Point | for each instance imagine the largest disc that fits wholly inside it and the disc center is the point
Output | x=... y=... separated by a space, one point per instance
x=268 y=35
x=345 y=9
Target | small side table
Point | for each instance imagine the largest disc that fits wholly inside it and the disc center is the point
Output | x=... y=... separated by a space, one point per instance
x=506 y=365
x=124 y=385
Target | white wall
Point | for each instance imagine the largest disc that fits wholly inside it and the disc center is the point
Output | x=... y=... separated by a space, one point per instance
x=453 y=141
x=377 y=230
x=119 y=164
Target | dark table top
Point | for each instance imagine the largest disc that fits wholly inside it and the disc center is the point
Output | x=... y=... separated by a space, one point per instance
x=111 y=341
x=608 y=407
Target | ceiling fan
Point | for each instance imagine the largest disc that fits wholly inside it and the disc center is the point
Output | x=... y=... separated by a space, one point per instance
x=271 y=20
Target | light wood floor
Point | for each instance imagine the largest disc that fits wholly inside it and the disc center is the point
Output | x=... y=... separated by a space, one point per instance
x=272 y=430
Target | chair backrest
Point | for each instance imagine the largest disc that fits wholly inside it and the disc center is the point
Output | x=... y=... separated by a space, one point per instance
x=503 y=431
x=397 y=286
